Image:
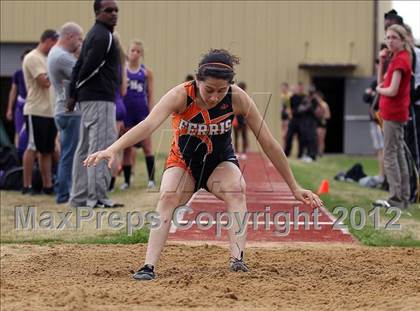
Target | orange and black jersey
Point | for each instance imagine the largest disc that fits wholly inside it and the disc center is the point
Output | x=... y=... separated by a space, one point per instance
x=202 y=135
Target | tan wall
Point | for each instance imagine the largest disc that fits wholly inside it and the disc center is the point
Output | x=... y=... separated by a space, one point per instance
x=383 y=7
x=269 y=37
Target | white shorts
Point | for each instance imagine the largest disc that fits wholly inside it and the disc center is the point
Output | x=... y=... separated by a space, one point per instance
x=377 y=136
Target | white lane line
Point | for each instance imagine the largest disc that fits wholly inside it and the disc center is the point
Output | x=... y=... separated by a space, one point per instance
x=333 y=219
x=224 y=222
x=262 y=202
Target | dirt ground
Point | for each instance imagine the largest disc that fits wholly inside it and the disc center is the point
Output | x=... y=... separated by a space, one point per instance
x=288 y=277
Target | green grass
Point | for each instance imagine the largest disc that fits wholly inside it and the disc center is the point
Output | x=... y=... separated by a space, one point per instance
x=309 y=176
x=118 y=237
x=138 y=236
x=350 y=195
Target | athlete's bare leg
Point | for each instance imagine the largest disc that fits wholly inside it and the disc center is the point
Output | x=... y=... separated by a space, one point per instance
x=322 y=132
x=147 y=147
x=132 y=159
x=284 y=127
x=45 y=164
x=28 y=164
x=227 y=183
x=236 y=139
x=150 y=161
x=244 y=131
x=128 y=156
x=176 y=189
x=116 y=165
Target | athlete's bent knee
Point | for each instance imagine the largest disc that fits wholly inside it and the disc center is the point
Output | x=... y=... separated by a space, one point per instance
x=233 y=192
x=169 y=198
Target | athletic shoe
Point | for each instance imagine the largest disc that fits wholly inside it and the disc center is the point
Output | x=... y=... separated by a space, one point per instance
x=77 y=205
x=62 y=201
x=306 y=159
x=151 y=184
x=238 y=264
x=48 y=191
x=124 y=186
x=381 y=203
x=26 y=190
x=146 y=273
x=35 y=191
x=387 y=204
x=101 y=204
x=30 y=191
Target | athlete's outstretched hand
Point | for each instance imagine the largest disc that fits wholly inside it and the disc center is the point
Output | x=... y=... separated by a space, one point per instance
x=94 y=158
x=308 y=197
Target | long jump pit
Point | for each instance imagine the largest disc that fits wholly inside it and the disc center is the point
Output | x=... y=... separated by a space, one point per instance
x=308 y=269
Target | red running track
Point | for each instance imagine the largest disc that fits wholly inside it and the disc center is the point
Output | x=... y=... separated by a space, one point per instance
x=266 y=192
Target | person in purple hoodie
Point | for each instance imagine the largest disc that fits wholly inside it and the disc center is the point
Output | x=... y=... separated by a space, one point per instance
x=138 y=102
x=17 y=95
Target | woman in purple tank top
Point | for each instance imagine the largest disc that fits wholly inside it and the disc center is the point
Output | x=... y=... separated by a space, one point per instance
x=138 y=102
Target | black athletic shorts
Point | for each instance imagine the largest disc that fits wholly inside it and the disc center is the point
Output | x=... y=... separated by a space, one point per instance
x=201 y=171
x=41 y=133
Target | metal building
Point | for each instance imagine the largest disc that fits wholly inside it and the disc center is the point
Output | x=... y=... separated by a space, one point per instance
x=331 y=43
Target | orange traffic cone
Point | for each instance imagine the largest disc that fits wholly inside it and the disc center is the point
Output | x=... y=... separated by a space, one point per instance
x=324 y=187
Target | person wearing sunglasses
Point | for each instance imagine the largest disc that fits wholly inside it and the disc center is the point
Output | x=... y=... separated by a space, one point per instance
x=95 y=78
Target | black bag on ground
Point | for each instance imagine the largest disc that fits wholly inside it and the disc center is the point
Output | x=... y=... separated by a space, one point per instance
x=11 y=173
x=355 y=172
x=12 y=179
x=8 y=158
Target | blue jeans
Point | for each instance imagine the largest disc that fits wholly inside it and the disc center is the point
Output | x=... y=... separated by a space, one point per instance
x=68 y=126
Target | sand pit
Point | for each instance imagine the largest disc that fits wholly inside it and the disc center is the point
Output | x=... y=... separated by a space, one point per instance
x=289 y=277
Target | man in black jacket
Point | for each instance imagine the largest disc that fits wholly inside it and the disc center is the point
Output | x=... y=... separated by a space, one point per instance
x=93 y=86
